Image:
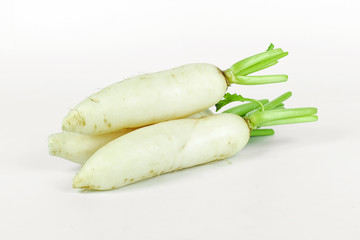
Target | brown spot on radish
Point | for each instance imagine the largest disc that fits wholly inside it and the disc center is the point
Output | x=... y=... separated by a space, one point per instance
x=105 y=120
x=151 y=171
x=125 y=180
x=79 y=118
x=109 y=125
x=131 y=179
x=88 y=187
x=94 y=100
x=223 y=74
x=183 y=146
x=95 y=127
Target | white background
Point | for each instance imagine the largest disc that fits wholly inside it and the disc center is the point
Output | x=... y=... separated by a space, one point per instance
x=302 y=183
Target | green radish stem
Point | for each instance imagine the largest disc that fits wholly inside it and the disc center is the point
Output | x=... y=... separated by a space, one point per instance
x=261 y=132
x=255 y=105
x=312 y=118
x=274 y=103
x=258 y=118
x=238 y=72
x=243 y=109
x=281 y=106
x=261 y=113
x=255 y=80
x=228 y=98
x=271 y=47
x=270 y=116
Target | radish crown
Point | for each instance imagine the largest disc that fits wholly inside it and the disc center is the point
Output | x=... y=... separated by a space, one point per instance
x=261 y=113
x=238 y=72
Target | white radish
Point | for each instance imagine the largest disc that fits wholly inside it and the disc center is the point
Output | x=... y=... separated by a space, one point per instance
x=161 y=148
x=78 y=147
x=148 y=99
x=178 y=144
x=165 y=95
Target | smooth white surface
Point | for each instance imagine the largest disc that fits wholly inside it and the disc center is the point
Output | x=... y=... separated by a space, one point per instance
x=161 y=148
x=302 y=183
x=175 y=93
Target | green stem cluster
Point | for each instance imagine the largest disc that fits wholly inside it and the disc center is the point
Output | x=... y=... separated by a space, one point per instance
x=264 y=113
x=261 y=113
x=238 y=72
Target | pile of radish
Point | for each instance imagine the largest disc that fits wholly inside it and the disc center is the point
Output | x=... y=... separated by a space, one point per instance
x=120 y=135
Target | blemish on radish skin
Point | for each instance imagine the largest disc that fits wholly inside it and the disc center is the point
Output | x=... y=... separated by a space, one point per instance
x=94 y=100
x=77 y=119
x=183 y=146
x=109 y=125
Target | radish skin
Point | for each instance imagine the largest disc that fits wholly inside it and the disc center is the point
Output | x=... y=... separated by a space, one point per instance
x=162 y=148
x=172 y=94
x=148 y=99
x=78 y=147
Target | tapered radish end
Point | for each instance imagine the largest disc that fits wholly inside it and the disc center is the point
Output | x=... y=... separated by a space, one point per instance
x=52 y=145
x=84 y=181
x=73 y=120
x=78 y=182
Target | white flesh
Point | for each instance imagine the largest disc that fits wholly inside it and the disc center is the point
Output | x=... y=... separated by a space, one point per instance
x=161 y=148
x=148 y=99
x=78 y=147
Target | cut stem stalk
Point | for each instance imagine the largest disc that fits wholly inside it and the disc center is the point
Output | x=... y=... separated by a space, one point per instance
x=243 y=109
x=257 y=80
x=258 y=118
x=261 y=132
x=305 y=119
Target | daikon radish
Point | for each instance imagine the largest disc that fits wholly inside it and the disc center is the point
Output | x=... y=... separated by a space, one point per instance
x=166 y=95
x=178 y=144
